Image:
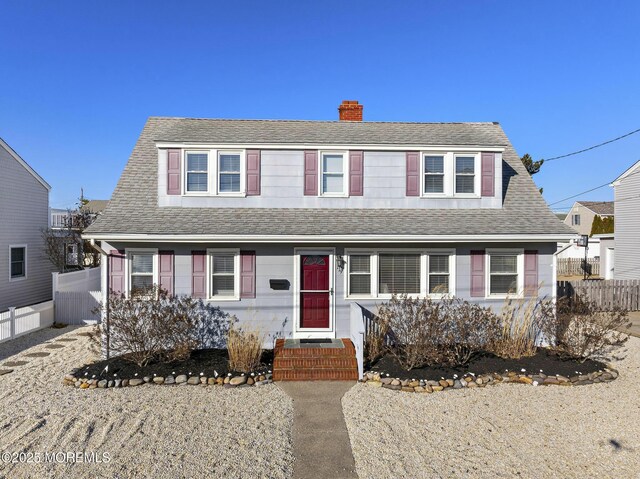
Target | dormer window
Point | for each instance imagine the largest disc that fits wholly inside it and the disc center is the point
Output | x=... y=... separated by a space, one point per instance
x=434 y=174
x=465 y=174
x=229 y=172
x=333 y=175
x=197 y=172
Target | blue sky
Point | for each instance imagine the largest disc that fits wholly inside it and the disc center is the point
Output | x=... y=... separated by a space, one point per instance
x=79 y=79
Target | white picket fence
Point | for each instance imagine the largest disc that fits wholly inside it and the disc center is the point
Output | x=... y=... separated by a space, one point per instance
x=76 y=296
x=18 y=321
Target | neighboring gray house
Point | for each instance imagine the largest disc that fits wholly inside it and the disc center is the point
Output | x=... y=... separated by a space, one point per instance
x=626 y=240
x=286 y=224
x=25 y=272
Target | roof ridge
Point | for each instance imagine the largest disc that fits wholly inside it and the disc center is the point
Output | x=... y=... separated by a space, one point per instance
x=275 y=120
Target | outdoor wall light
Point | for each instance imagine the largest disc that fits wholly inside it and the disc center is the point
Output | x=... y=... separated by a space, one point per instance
x=340 y=262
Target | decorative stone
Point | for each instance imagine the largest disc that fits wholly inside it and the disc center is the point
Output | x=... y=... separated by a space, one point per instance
x=525 y=380
x=147 y=379
x=238 y=380
x=211 y=381
x=110 y=384
x=450 y=382
x=70 y=377
x=261 y=378
x=102 y=383
x=407 y=389
x=220 y=381
x=414 y=384
x=562 y=379
x=181 y=379
x=428 y=389
x=386 y=380
x=437 y=388
x=468 y=379
x=193 y=380
x=457 y=384
x=158 y=380
x=472 y=384
x=375 y=384
x=376 y=377
x=169 y=380
x=396 y=382
x=443 y=383
x=419 y=389
x=117 y=383
x=136 y=382
x=551 y=380
x=125 y=383
x=203 y=380
x=84 y=385
x=226 y=380
x=404 y=382
x=395 y=387
x=250 y=381
x=479 y=381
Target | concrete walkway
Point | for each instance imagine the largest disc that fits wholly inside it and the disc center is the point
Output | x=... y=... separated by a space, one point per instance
x=321 y=444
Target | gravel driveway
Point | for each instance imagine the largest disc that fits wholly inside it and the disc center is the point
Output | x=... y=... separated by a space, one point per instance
x=147 y=431
x=501 y=431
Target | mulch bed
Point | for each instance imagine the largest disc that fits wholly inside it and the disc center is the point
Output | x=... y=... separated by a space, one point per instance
x=545 y=360
x=203 y=362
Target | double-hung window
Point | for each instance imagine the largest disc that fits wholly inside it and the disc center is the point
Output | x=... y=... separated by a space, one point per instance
x=575 y=220
x=224 y=270
x=18 y=259
x=399 y=273
x=228 y=172
x=439 y=274
x=360 y=275
x=434 y=174
x=465 y=174
x=141 y=271
x=197 y=172
x=504 y=273
x=333 y=174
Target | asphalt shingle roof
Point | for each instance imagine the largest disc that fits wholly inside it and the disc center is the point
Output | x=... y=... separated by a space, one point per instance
x=134 y=209
x=599 y=207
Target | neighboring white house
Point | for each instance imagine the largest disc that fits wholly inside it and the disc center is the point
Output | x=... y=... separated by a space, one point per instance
x=25 y=272
x=625 y=243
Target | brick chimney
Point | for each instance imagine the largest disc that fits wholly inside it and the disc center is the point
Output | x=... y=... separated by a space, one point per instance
x=350 y=110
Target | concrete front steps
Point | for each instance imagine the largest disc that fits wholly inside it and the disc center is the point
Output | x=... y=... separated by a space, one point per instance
x=296 y=361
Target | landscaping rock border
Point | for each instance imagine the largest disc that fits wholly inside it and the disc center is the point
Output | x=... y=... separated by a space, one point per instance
x=470 y=380
x=228 y=381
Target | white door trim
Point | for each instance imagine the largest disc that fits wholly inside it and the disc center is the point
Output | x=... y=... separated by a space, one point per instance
x=298 y=332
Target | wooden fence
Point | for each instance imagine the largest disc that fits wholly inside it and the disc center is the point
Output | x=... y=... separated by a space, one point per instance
x=605 y=293
x=573 y=266
x=19 y=321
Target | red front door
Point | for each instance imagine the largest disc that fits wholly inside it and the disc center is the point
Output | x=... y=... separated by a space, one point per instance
x=314 y=291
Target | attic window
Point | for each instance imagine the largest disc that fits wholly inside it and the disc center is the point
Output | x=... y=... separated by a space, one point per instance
x=197 y=172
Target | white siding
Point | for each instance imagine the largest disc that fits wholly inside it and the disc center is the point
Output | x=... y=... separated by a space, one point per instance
x=627 y=227
x=24 y=212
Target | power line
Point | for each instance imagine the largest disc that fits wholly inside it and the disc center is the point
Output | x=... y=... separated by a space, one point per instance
x=592 y=189
x=593 y=147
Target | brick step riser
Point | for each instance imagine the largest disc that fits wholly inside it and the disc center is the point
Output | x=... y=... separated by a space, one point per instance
x=297 y=375
x=318 y=353
x=311 y=364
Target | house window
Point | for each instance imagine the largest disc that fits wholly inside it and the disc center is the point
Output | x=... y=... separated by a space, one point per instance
x=575 y=220
x=399 y=273
x=360 y=275
x=141 y=273
x=333 y=166
x=433 y=174
x=503 y=273
x=224 y=273
x=197 y=172
x=438 y=280
x=229 y=173
x=465 y=174
x=18 y=259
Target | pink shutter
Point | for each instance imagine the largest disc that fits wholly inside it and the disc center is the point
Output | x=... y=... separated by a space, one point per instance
x=413 y=173
x=247 y=274
x=531 y=272
x=253 y=172
x=166 y=270
x=173 y=172
x=116 y=272
x=487 y=177
x=356 y=173
x=310 y=173
x=477 y=273
x=198 y=274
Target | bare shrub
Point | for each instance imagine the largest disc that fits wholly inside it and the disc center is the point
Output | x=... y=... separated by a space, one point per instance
x=447 y=331
x=245 y=349
x=525 y=324
x=374 y=344
x=583 y=332
x=156 y=326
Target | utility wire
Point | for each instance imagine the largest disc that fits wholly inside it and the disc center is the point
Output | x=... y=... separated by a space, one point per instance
x=593 y=147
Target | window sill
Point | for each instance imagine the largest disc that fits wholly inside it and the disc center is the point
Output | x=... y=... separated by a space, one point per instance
x=220 y=299
x=333 y=195
x=17 y=279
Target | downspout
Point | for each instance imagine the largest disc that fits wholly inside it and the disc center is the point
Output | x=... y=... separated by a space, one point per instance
x=104 y=257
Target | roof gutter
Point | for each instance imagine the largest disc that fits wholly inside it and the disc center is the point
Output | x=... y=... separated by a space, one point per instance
x=301 y=239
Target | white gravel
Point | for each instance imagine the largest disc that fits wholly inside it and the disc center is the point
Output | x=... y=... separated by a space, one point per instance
x=506 y=430
x=147 y=431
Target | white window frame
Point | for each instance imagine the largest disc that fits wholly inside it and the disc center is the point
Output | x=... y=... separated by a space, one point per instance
x=128 y=268
x=236 y=274
x=424 y=270
x=519 y=252
x=24 y=276
x=476 y=175
x=573 y=219
x=447 y=184
x=345 y=173
x=216 y=180
x=186 y=172
x=213 y=162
